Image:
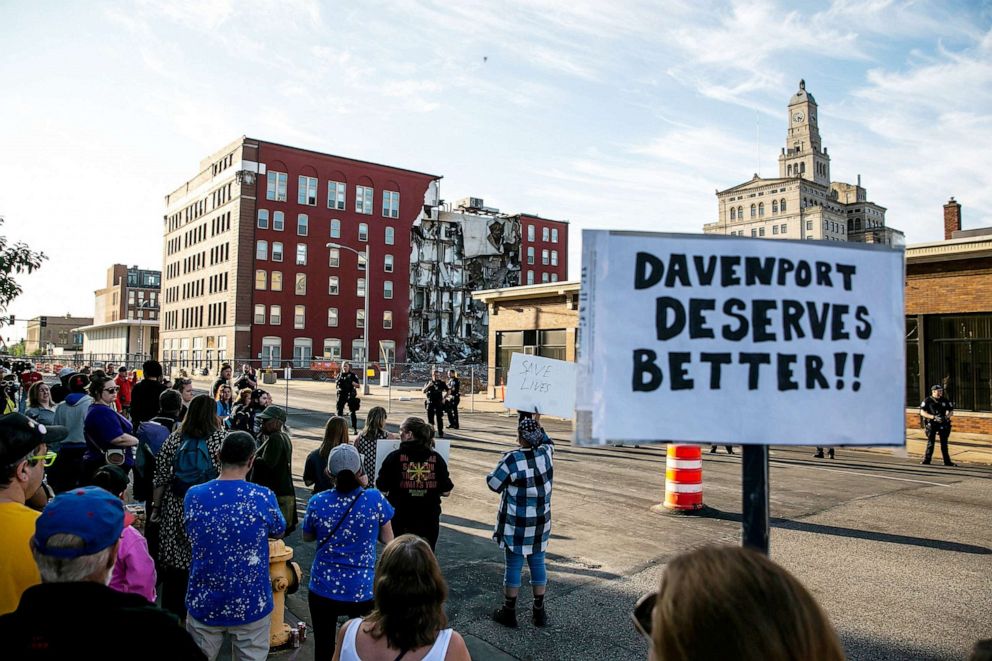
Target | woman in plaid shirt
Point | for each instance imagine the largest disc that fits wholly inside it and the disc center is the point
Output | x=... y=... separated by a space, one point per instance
x=523 y=525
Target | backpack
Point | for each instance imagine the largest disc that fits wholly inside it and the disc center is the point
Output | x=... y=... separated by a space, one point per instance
x=192 y=465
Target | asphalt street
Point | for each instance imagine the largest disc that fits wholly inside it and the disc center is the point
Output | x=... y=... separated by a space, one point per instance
x=898 y=554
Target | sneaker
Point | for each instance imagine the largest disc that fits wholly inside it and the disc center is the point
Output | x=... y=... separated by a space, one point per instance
x=830 y=453
x=818 y=455
x=713 y=450
x=925 y=462
x=950 y=463
x=540 y=618
x=505 y=616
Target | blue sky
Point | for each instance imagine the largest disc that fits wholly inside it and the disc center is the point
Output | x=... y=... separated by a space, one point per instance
x=621 y=115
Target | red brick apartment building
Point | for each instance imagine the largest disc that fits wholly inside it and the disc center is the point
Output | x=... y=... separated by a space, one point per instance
x=543 y=249
x=247 y=273
x=949 y=322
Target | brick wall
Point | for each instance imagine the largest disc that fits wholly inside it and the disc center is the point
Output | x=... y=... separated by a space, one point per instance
x=964 y=422
x=950 y=287
x=952 y=218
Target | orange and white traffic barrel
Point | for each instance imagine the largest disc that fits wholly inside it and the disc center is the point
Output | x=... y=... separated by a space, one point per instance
x=684 y=478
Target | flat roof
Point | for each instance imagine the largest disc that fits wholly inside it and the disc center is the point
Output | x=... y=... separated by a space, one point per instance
x=344 y=158
x=120 y=322
x=542 y=290
x=968 y=247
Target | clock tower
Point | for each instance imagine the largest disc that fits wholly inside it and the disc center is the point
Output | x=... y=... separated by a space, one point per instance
x=803 y=154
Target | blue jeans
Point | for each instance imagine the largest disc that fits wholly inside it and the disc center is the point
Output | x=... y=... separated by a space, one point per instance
x=515 y=565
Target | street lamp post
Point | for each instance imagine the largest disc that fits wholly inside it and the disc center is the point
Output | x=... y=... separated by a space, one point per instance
x=368 y=292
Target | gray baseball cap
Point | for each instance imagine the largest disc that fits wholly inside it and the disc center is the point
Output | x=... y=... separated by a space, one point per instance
x=344 y=458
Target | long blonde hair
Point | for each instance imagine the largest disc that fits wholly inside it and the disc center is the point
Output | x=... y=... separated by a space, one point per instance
x=375 y=422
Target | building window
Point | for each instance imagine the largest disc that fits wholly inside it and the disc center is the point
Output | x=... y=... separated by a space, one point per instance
x=278 y=221
x=753 y=211
x=809 y=225
x=740 y=213
x=275 y=188
x=261 y=280
x=360 y=318
x=360 y=287
x=276 y=251
x=276 y=281
x=387 y=319
x=754 y=231
x=554 y=235
x=259 y=314
x=332 y=348
x=335 y=195
x=261 y=250
x=263 y=219
x=530 y=277
x=302 y=225
x=301 y=254
x=387 y=264
x=300 y=316
x=774 y=206
x=307 y=193
x=530 y=254
x=545 y=258
x=271 y=351
x=334 y=258
x=783 y=228
x=761 y=231
x=733 y=213
x=554 y=258
x=302 y=352
x=774 y=229
x=390 y=236
x=390 y=204
x=363 y=232
x=545 y=234
x=531 y=233
x=545 y=277
x=301 y=284
x=275 y=315
x=761 y=208
x=363 y=199
x=332 y=317
x=554 y=277
x=335 y=228
x=333 y=286
x=361 y=262
x=387 y=289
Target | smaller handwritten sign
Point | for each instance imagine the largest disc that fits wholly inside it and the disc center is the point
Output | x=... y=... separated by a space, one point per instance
x=385 y=446
x=545 y=385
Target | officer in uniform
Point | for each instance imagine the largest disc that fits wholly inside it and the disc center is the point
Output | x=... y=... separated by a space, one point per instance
x=936 y=411
x=453 y=399
x=435 y=391
x=346 y=385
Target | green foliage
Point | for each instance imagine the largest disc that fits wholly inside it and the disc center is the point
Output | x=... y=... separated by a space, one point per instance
x=17 y=349
x=14 y=260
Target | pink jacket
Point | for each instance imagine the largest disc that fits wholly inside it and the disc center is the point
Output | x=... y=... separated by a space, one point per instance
x=134 y=571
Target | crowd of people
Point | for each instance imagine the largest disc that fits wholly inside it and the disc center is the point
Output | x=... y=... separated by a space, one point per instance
x=216 y=480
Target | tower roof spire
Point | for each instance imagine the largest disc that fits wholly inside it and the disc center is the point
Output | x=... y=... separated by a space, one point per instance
x=802 y=95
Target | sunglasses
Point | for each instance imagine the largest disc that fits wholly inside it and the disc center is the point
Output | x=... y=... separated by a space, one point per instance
x=111 y=390
x=643 y=613
x=47 y=459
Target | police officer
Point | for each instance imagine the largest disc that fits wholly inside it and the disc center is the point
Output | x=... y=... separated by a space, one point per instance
x=346 y=385
x=936 y=410
x=453 y=399
x=435 y=391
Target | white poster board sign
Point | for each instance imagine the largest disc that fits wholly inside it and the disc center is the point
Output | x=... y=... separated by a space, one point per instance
x=718 y=339
x=544 y=385
x=385 y=446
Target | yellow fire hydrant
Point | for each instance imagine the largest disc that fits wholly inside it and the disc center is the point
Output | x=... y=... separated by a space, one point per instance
x=286 y=577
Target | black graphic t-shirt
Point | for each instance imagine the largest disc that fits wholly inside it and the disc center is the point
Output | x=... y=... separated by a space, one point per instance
x=414 y=478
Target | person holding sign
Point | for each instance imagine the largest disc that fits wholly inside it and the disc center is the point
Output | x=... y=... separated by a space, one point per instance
x=414 y=478
x=435 y=390
x=523 y=523
x=937 y=410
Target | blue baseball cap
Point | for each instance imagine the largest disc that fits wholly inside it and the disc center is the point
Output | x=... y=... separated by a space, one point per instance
x=94 y=515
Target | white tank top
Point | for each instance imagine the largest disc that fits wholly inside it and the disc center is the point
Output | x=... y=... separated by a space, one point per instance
x=437 y=652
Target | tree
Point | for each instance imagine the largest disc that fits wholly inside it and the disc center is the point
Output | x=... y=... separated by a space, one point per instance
x=14 y=260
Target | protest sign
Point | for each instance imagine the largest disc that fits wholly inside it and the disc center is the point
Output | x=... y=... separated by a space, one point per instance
x=716 y=339
x=545 y=385
x=384 y=447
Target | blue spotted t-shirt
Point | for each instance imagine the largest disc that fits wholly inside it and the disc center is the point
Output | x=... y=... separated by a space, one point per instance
x=229 y=523
x=344 y=564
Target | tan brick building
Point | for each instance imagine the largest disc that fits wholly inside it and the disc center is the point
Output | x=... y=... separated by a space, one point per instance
x=949 y=322
x=55 y=333
x=533 y=319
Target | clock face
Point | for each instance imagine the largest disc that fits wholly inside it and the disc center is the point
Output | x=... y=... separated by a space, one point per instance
x=797 y=117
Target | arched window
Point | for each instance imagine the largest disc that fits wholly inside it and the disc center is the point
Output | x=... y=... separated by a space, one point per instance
x=802 y=168
x=781 y=205
x=733 y=213
x=774 y=206
x=761 y=208
x=788 y=170
x=753 y=211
